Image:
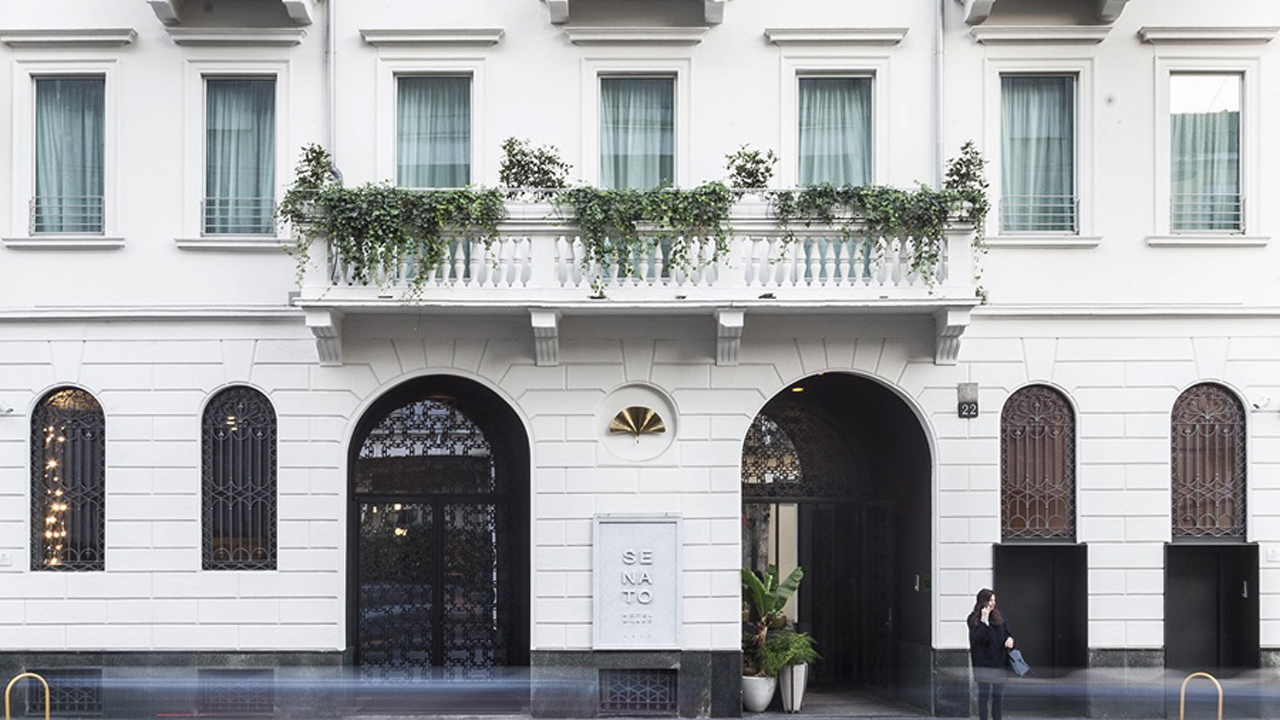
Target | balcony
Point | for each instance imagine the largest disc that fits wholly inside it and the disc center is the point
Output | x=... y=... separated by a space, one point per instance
x=540 y=266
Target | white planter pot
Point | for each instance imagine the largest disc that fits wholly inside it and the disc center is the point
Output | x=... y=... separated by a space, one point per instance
x=757 y=692
x=793 y=679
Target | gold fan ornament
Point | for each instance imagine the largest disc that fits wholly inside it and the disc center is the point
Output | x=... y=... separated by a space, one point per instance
x=638 y=421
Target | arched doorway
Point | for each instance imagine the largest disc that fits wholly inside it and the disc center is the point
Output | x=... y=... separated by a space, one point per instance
x=836 y=477
x=438 y=551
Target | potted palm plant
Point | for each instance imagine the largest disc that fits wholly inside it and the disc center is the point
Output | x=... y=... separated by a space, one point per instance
x=765 y=597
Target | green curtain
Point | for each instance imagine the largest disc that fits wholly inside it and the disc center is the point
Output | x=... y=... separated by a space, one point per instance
x=1206 y=171
x=70 y=126
x=1037 y=151
x=835 y=131
x=239 y=155
x=637 y=133
x=433 y=132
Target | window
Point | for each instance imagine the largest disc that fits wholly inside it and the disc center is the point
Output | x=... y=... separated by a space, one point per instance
x=239 y=481
x=68 y=482
x=637 y=132
x=69 y=154
x=834 y=129
x=1208 y=464
x=1204 y=117
x=240 y=121
x=1038 y=153
x=1037 y=466
x=433 y=132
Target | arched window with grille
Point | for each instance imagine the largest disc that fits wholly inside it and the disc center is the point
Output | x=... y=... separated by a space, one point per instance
x=68 y=482
x=238 y=471
x=1208 y=482
x=1038 y=466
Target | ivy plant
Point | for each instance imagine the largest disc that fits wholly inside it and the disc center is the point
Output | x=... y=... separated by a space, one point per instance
x=526 y=168
x=749 y=169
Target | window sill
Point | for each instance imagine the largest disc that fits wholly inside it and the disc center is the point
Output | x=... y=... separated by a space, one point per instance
x=1208 y=240
x=256 y=243
x=1075 y=242
x=63 y=242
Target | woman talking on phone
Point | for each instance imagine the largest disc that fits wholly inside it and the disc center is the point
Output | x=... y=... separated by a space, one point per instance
x=989 y=645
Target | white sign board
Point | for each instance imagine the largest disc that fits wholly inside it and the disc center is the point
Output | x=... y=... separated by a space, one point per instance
x=636 y=563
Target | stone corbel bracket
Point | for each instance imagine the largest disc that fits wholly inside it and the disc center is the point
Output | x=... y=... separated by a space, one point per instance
x=546 y=336
x=326 y=325
x=729 y=325
x=949 y=325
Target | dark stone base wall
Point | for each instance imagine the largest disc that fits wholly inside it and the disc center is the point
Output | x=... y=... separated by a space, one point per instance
x=566 y=684
x=952 y=684
x=1126 y=683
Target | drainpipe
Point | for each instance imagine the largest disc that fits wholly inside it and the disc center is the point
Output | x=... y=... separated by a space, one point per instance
x=939 y=151
x=330 y=71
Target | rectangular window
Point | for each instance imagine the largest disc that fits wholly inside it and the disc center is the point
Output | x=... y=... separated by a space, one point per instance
x=835 y=130
x=240 y=171
x=433 y=132
x=1038 y=154
x=69 y=146
x=637 y=132
x=1204 y=114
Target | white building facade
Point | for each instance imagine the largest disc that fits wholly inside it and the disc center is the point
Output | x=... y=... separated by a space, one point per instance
x=214 y=460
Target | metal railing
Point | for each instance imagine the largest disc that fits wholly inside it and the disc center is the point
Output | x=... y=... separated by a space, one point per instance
x=238 y=216
x=1211 y=212
x=1039 y=214
x=71 y=214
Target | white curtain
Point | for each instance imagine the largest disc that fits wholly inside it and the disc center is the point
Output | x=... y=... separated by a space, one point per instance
x=239 y=155
x=835 y=131
x=1206 y=171
x=433 y=132
x=637 y=133
x=1038 y=154
x=69 y=155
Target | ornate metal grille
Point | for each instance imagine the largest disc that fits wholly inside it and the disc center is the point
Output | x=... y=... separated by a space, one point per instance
x=638 y=692
x=236 y=692
x=1037 y=466
x=789 y=452
x=76 y=692
x=239 y=481
x=68 y=461
x=1208 y=464
x=427 y=438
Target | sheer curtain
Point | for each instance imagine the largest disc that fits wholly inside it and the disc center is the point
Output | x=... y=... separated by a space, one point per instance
x=835 y=131
x=239 y=155
x=637 y=132
x=69 y=155
x=1037 y=154
x=433 y=132
x=1205 y=131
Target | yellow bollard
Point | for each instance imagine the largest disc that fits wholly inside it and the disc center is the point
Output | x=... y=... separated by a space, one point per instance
x=14 y=681
x=1182 y=698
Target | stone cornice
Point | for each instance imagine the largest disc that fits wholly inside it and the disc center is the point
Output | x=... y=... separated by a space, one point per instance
x=579 y=35
x=835 y=36
x=433 y=36
x=218 y=36
x=1009 y=34
x=63 y=37
x=1235 y=35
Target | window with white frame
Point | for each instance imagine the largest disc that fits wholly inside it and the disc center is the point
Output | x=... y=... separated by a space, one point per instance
x=1038 y=154
x=240 y=151
x=70 y=142
x=1204 y=132
x=637 y=132
x=834 y=130
x=433 y=131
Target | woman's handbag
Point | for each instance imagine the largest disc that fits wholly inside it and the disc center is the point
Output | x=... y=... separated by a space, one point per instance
x=1018 y=663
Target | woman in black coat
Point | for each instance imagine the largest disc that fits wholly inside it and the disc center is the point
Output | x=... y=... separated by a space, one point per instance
x=989 y=646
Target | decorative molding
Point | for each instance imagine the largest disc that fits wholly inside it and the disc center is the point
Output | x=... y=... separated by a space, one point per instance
x=1109 y=10
x=326 y=326
x=559 y=10
x=452 y=37
x=579 y=35
x=1076 y=242
x=729 y=324
x=63 y=242
x=166 y=11
x=1237 y=35
x=271 y=244
x=62 y=37
x=1208 y=240
x=1006 y=34
x=712 y=11
x=835 y=36
x=213 y=36
x=949 y=325
x=301 y=12
x=546 y=336
x=976 y=12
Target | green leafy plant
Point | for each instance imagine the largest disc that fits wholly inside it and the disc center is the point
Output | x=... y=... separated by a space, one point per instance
x=749 y=169
x=766 y=597
x=791 y=647
x=525 y=167
x=966 y=177
x=376 y=230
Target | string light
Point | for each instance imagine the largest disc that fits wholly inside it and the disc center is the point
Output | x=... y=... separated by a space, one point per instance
x=55 y=520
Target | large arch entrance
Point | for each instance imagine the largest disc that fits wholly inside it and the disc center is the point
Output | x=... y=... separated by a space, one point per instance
x=836 y=478
x=438 y=547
